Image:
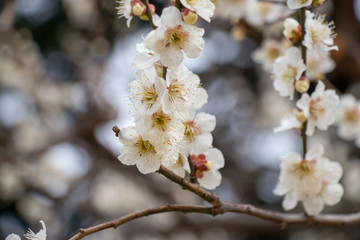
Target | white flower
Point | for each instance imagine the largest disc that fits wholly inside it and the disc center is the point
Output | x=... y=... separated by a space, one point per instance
x=172 y=37
x=286 y=70
x=320 y=108
x=319 y=35
x=207 y=165
x=139 y=151
x=13 y=237
x=288 y=122
x=316 y=67
x=182 y=92
x=230 y=9
x=312 y=180
x=204 y=8
x=296 y=4
x=258 y=13
x=348 y=119
x=180 y=166
x=160 y=128
x=125 y=10
x=197 y=137
x=268 y=52
x=145 y=57
x=41 y=235
x=146 y=91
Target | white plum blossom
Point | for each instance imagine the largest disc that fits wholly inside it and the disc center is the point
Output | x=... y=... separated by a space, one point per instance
x=319 y=109
x=173 y=36
x=259 y=13
x=145 y=57
x=348 y=117
x=268 y=52
x=204 y=8
x=180 y=166
x=197 y=136
x=146 y=91
x=207 y=165
x=319 y=35
x=296 y=4
x=286 y=70
x=312 y=180
x=182 y=92
x=316 y=67
x=139 y=151
x=41 y=235
x=125 y=10
x=230 y=9
x=288 y=122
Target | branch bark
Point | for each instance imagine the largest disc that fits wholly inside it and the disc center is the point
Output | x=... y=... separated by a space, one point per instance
x=282 y=218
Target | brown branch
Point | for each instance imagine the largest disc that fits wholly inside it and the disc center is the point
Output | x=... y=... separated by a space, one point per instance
x=195 y=188
x=282 y=218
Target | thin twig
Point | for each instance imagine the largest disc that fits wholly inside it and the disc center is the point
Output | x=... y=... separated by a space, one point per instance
x=282 y=218
x=195 y=188
x=149 y=14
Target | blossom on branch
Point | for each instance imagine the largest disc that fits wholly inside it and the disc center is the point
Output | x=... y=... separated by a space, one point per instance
x=312 y=180
x=319 y=35
x=173 y=36
x=319 y=109
x=207 y=165
x=286 y=70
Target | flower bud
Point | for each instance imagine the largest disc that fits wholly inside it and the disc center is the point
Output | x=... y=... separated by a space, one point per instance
x=138 y=8
x=292 y=30
x=317 y=3
x=300 y=116
x=302 y=85
x=188 y=16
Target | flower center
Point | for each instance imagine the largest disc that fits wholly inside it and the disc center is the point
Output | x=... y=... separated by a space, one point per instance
x=160 y=121
x=149 y=96
x=201 y=164
x=305 y=167
x=302 y=1
x=144 y=147
x=352 y=116
x=317 y=108
x=290 y=73
x=191 y=130
x=176 y=37
x=176 y=91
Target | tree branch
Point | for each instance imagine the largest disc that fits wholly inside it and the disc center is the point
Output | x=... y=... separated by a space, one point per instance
x=282 y=218
x=195 y=188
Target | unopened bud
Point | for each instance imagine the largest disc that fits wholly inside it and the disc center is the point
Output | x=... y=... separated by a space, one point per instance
x=317 y=3
x=300 y=116
x=138 y=8
x=188 y=16
x=292 y=30
x=302 y=85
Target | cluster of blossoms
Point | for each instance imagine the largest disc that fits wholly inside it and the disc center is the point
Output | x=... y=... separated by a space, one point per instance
x=166 y=95
x=41 y=235
x=310 y=178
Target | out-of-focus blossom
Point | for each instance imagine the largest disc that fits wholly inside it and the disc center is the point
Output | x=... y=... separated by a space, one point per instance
x=348 y=117
x=230 y=9
x=316 y=68
x=268 y=52
x=312 y=180
x=296 y=4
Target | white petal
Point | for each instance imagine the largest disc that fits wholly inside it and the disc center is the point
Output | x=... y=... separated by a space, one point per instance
x=313 y=206
x=290 y=201
x=13 y=237
x=216 y=157
x=206 y=121
x=315 y=152
x=210 y=180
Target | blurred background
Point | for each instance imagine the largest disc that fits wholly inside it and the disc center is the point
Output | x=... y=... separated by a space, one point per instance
x=65 y=66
